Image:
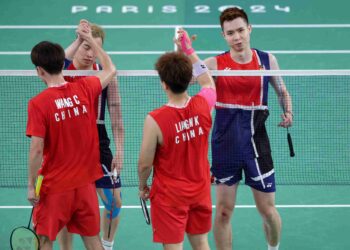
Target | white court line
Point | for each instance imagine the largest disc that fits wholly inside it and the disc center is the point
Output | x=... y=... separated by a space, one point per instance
x=199 y=52
x=238 y=206
x=173 y=26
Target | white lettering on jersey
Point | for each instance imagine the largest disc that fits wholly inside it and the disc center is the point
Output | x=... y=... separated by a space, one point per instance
x=200 y=131
x=76 y=111
x=64 y=102
x=84 y=109
x=72 y=108
x=186 y=124
x=188 y=129
x=76 y=99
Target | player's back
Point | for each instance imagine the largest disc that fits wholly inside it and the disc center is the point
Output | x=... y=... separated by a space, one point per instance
x=181 y=163
x=71 y=142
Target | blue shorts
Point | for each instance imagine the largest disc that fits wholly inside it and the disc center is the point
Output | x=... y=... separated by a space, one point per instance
x=254 y=173
x=240 y=142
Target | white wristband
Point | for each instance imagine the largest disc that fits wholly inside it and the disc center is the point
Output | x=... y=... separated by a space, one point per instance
x=199 y=68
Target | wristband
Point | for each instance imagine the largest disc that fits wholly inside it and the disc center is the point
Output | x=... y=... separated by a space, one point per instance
x=186 y=44
x=199 y=68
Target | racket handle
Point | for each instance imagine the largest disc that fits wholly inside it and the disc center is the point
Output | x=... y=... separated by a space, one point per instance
x=39 y=181
x=290 y=144
x=115 y=174
x=109 y=230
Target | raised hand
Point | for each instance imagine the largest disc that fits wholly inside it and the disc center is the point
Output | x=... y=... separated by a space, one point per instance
x=84 y=31
x=184 y=42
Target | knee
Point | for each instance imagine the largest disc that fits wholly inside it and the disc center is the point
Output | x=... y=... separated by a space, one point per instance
x=112 y=204
x=45 y=241
x=224 y=213
x=270 y=214
x=201 y=245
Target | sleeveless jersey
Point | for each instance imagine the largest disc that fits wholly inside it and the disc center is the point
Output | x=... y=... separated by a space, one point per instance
x=242 y=91
x=181 y=166
x=241 y=111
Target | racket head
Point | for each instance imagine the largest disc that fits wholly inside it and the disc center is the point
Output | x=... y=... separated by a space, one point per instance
x=24 y=238
x=145 y=211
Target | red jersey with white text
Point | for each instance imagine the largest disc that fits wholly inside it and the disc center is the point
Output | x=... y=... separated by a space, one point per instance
x=240 y=91
x=64 y=116
x=181 y=166
x=68 y=65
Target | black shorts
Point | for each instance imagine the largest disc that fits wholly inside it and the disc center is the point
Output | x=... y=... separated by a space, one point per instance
x=106 y=158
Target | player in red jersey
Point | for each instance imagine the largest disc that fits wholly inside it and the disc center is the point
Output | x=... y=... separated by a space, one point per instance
x=239 y=139
x=64 y=145
x=175 y=143
x=80 y=56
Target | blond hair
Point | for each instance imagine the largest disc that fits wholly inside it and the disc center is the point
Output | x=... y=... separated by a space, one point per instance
x=97 y=31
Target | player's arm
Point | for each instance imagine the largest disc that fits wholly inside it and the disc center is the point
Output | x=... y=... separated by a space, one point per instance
x=108 y=69
x=74 y=46
x=200 y=70
x=211 y=63
x=151 y=138
x=115 y=113
x=283 y=95
x=35 y=160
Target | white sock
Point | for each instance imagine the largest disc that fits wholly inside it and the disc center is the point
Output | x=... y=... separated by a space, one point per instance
x=273 y=248
x=107 y=245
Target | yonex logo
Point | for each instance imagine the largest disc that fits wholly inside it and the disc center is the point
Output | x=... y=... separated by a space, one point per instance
x=227 y=68
x=269 y=185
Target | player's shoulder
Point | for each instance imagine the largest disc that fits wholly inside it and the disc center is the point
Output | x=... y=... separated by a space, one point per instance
x=203 y=99
x=43 y=94
x=159 y=111
x=68 y=64
x=198 y=99
x=41 y=99
x=211 y=63
x=263 y=53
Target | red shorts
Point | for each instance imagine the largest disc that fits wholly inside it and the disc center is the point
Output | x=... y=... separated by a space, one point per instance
x=77 y=209
x=170 y=223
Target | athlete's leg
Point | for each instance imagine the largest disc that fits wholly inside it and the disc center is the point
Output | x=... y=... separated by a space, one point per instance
x=261 y=178
x=65 y=239
x=106 y=197
x=45 y=243
x=199 y=241
x=265 y=203
x=178 y=246
x=225 y=203
x=92 y=242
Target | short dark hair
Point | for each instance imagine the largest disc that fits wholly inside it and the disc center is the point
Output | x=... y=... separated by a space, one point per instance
x=175 y=69
x=230 y=14
x=49 y=56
